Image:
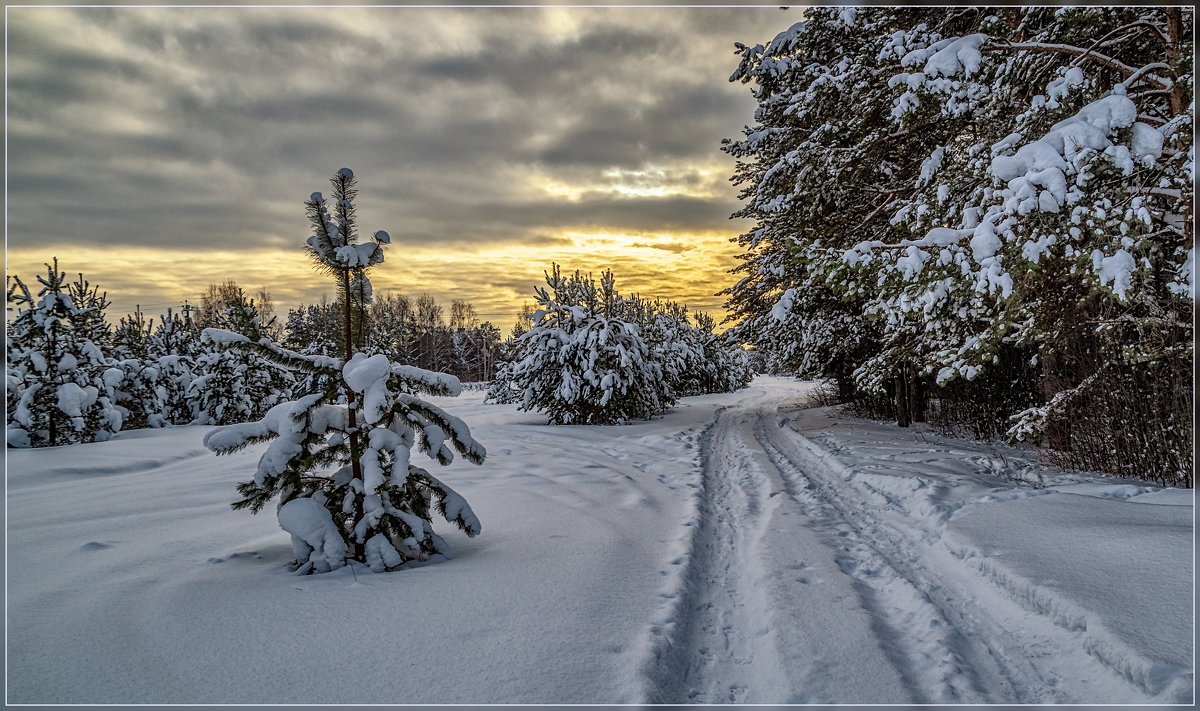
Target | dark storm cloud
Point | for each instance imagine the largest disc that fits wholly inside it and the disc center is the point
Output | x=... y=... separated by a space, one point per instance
x=206 y=127
x=510 y=60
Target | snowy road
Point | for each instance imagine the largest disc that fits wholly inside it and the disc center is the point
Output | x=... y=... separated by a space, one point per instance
x=738 y=549
x=808 y=584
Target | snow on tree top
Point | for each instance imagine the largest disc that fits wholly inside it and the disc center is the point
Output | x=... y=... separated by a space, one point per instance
x=346 y=173
x=357 y=255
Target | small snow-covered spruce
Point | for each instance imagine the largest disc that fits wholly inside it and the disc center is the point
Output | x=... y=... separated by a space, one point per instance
x=725 y=362
x=231 y=384
x=154 y=389
x=694 y=360
x=339 y=460
x=502 y=390
x=58 y=381
x=172 y=349
x=581 y=362
x=131 y=387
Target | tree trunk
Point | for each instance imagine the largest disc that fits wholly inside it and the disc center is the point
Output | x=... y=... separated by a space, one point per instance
x=356 y=550
x=845 y=384
x=916 y=395
x=1174 y=38
x=1058 y=433
x=902 y=414
x=52 y=375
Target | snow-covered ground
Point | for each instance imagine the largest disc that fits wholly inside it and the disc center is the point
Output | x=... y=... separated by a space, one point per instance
x=738 y=549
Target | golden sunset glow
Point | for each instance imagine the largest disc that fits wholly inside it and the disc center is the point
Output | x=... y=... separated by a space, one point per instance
x=497 y=279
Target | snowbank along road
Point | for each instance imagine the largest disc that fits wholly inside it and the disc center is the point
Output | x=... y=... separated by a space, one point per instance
x=737 y=549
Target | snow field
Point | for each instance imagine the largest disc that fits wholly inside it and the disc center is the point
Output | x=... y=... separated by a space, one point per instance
x=736 y=550
x=149 y=589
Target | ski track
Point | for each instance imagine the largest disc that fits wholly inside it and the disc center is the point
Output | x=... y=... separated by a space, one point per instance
x=952 y=632
x=713 y=646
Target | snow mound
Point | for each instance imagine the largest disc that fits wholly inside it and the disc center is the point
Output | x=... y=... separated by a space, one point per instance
x=315 y=538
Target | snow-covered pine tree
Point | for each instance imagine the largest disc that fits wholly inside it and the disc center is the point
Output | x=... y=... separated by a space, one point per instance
x=171 y=350
x=135 y=395
x=502 y=389
x=676 y=345
x=130 y=335
x=726 y=366
x=87 y=321
x=581 y=363
x=1070 y=221
x=976 y=195
x=231 y=384
x=339 y=459
x=814 y=170
x=56 y=377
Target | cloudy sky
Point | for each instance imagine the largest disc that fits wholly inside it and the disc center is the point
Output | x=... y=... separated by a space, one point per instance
x=159 y=150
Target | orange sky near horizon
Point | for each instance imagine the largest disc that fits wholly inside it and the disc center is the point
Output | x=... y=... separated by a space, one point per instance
x=497 y=279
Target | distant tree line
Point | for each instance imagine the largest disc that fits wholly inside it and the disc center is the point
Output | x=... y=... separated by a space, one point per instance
x=73 y=376
x=413 y=331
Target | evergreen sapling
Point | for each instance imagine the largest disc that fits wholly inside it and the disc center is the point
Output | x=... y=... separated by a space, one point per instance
x=339 y=460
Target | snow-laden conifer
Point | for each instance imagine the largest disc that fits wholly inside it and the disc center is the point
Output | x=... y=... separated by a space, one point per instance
x=948 y=196
x=340 y=459
x=581 y=362
x=57 y=378
x=725 y=364
x=232 y=384
x=172 y=348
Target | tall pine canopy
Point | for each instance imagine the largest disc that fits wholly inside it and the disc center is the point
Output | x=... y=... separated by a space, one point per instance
x=983 y=212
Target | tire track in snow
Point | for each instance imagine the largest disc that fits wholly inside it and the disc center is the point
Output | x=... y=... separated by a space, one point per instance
x=966 y=634
x=947 y=635
x=716 y=644
x=913 y=630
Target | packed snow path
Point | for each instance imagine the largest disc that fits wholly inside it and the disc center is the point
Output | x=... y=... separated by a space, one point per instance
x=809 y=582
x=736 y=549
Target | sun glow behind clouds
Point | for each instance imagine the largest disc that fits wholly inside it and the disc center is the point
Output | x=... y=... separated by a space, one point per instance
x=650 y=181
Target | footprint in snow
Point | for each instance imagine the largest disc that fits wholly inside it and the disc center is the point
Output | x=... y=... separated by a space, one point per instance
x=94 y=546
